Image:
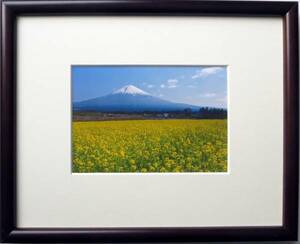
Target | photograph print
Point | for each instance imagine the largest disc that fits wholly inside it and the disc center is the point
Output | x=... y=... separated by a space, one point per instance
x=149 y=119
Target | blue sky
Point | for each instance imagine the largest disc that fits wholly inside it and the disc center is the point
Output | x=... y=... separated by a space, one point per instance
x=196 y=85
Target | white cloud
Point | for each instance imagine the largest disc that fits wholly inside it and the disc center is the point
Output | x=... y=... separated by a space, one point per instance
x=172 y=83
x=206 y=72
x=191 y=86
x=150 y=86
x=208 y=95
x=162 y=86
x=223 y=99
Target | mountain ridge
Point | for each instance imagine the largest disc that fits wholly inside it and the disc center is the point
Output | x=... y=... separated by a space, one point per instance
x=130 y=99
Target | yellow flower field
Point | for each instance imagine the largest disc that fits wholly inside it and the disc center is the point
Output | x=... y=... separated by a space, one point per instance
x=150 y=146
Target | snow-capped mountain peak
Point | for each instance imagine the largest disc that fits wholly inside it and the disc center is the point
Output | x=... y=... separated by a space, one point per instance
x=130 y=99
x=130 y=89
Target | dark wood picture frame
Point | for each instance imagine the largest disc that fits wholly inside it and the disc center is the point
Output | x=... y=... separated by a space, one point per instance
x=11 y=9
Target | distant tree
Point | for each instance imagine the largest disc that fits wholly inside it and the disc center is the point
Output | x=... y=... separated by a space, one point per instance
x=188 y=111
x=212 y=113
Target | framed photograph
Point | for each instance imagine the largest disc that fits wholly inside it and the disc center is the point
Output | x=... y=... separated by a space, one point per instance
x=118 y=127
x=149 y=121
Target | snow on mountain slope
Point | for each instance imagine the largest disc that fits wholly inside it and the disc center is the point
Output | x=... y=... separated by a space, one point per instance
x=130 y=89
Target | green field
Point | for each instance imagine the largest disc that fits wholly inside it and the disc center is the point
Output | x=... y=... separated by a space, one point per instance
x=150 y=146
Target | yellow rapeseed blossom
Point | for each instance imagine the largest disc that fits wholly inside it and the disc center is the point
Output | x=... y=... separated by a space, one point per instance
x=150 y=146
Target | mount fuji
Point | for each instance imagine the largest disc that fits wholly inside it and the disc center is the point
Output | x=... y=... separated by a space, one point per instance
x=130 y=99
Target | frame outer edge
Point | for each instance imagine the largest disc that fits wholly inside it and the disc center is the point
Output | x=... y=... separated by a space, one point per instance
x=2 y=227
x=291 y=123
x=9 y=232
x=8 y=124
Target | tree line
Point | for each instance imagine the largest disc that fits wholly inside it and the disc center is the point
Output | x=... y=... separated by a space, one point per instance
x=207 y=113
